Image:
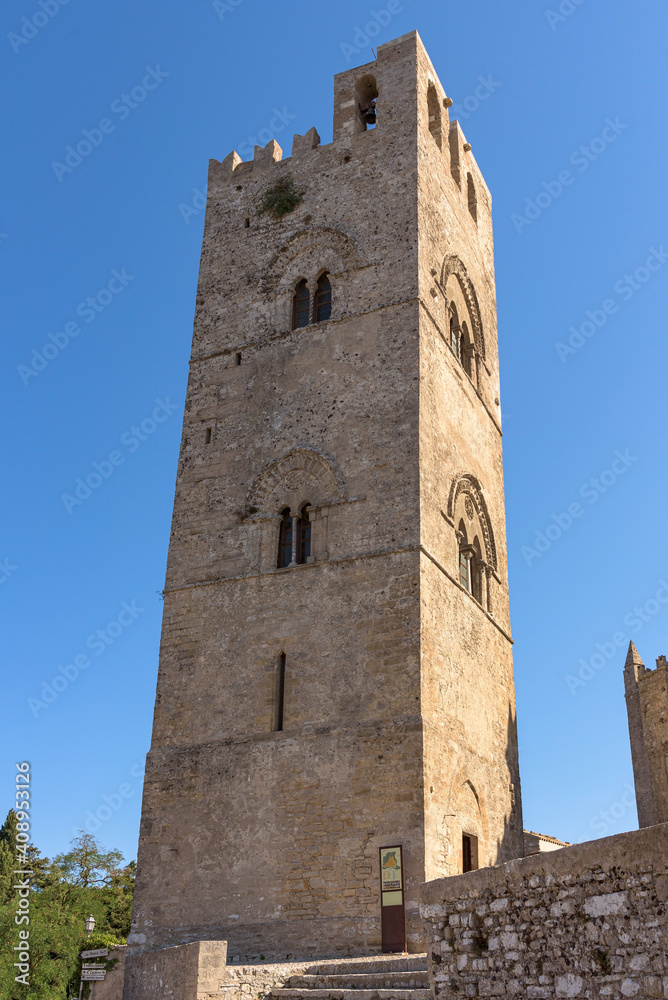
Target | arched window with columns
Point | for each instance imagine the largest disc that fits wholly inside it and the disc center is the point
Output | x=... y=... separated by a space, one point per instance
x=462 y=322
x=475 y=548
x=294 y=538
x=307 y=308
x=288 y=509
x=469 y=563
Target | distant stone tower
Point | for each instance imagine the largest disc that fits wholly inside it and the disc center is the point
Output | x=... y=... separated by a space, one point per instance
x=647 y=707
x=336 y=662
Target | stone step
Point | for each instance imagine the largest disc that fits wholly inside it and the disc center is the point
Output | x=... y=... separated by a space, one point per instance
x=369 y=964
x=352 y=994
x=386 y=980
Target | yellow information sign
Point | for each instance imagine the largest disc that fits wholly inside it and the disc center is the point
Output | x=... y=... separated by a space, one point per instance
x=391 y=876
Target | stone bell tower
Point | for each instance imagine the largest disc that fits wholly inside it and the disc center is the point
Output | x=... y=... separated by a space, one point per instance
x=336 y=661
x=647 y=709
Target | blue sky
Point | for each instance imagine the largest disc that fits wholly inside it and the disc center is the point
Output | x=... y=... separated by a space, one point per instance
x=123 y=228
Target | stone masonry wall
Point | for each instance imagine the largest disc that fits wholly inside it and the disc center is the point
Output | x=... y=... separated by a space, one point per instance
x=188 y=972
x=589 y=920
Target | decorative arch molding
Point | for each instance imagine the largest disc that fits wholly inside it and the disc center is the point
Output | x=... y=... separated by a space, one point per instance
x=466 y=803
x=302 y=474
x=452 y=265
x=471 y=788
x=308 y=250
x=469 y=486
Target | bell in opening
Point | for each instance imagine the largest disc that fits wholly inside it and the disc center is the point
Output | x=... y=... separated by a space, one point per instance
x=367 y=95
x=369 y=114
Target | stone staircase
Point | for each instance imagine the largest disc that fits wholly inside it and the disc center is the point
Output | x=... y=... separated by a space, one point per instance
x=384 y=977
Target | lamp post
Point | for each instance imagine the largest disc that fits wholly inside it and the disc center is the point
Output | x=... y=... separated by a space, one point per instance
x=89 y=923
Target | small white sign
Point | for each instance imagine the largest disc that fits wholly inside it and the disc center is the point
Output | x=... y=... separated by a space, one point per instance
x=93 y=975
x=93 y=965
x=96 y=953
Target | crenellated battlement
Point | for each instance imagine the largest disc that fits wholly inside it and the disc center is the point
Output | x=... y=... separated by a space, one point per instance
x=264 y=156
x=374 y=111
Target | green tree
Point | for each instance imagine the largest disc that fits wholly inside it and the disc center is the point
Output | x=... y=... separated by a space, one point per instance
x=8 y=855
x=117 y=899
x=86 y=879
x=43 y=874
x=87 y=864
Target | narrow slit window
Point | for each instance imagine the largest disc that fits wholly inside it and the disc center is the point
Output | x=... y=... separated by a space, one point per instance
x=301 y=306
x=207 y=436
x=280 y=694
x=472 y=197
x=238 y=359
x=323 y=299
x=434 y=113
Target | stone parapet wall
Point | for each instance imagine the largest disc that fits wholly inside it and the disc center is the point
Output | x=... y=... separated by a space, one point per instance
x=188 y=972
x=589 y=920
